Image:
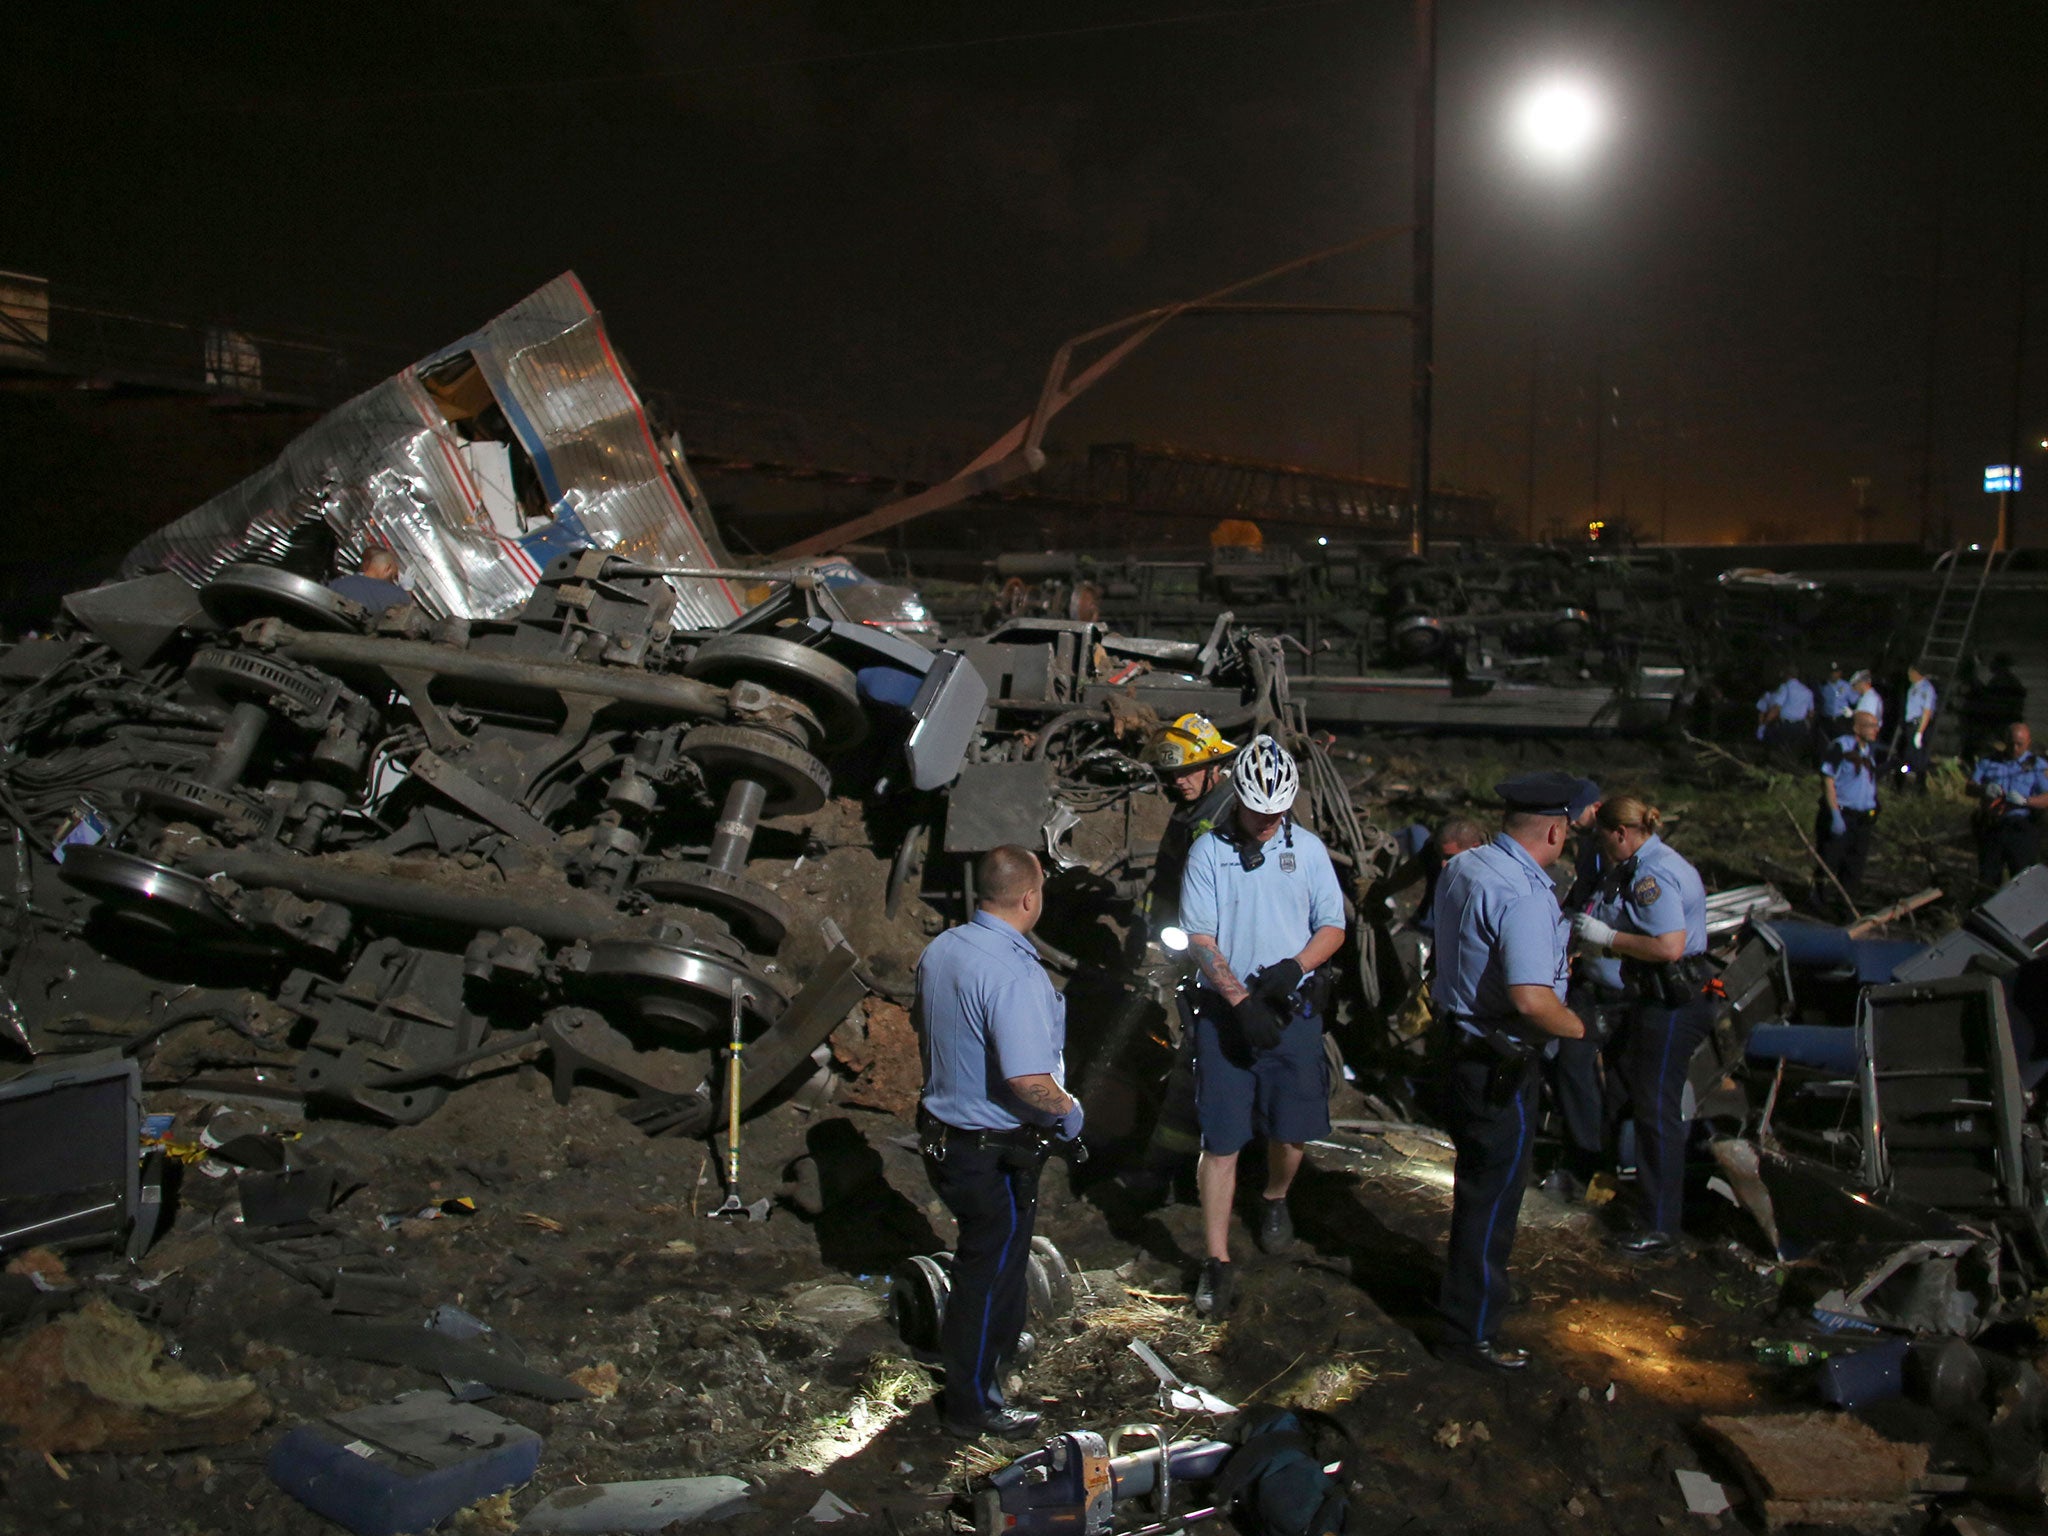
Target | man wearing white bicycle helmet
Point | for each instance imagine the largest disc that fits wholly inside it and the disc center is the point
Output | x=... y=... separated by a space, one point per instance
x=1262 y=909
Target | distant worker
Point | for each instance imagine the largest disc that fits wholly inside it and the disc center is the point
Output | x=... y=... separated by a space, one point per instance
x=2012 y=785
x=1868 y=700
x=375 y=584
x=1412 y=939
x=1837 y=702
x=1428 y=854
x=1921 y=700
x=1848 y=807
x=1649 y=921
x=993 y=1033
x=1500 y=987
x=1784 y=717
x=1263 y=911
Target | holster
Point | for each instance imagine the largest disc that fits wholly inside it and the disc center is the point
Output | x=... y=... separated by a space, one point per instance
x=1670 y=983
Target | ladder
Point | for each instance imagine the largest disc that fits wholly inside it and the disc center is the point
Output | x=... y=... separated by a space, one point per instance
x=1955 y=615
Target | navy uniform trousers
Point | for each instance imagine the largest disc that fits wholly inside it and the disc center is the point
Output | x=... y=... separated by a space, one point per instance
x=1845 y=855
x=1654 y=1060
x=992 y=1191
x=1573 y=1074
x=1493 y=1127
x=2006 y=847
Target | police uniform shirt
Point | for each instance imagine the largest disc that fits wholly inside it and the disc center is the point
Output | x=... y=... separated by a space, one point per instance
x=1498 y=926
x=2014 y=777
x=1656 y=892
x=1852 y=764
x=1870 y=702
x=986 y=1011
x=1258 y=916
x=1793 y=698
x=1835 y=698
x=1919 y=700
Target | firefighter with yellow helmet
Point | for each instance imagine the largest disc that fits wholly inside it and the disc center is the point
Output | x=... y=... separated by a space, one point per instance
x=1193 y=762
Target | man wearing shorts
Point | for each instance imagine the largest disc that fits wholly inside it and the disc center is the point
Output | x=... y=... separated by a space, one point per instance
x=1262 y=909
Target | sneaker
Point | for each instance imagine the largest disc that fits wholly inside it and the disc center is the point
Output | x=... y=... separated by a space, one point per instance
x=1276 y=1226
x=1215 y=1292
x=1002 y=1423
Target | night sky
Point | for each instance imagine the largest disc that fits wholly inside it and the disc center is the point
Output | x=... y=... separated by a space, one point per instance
x=894 y=211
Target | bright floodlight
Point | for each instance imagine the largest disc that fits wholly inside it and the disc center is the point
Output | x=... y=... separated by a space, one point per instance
x=1557 y=121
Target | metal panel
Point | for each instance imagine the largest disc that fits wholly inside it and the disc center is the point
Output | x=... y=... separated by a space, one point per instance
x=386 y=469
x=946 y=713
x=1955 y=954
x=997 y=803
x=2016 y=915
x=1942 y=1104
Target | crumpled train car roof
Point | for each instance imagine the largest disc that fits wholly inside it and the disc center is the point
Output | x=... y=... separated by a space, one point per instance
x=408 y=465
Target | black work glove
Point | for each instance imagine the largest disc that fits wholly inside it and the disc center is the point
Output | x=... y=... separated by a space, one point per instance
x=1277 y=983
x=1259 y=1022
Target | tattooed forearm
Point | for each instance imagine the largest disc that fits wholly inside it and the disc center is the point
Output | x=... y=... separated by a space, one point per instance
x=1042 y=1093
x=1210 y=959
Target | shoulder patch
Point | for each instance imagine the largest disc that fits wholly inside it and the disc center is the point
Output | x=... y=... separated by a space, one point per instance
x=1645 y=891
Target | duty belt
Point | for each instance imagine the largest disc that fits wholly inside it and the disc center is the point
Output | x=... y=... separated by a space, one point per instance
x=935 y=1137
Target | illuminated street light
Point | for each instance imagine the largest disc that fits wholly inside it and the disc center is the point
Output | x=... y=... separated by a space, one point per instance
x=1556 y=122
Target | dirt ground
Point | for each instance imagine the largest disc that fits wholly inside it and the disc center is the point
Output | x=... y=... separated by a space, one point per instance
x=765 y=1350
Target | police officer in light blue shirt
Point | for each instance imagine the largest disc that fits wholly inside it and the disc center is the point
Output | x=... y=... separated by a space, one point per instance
x=1837 y=701
x=1647 y=930
x=1913 y=728
x=993 y=1033
x=2013 y=786
x=1847 y=815
x=1784 y=716
x=1263 y=910
x=1499 y=989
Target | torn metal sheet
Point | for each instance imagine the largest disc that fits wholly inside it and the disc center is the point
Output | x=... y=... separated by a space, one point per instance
x=395 y=467
x=1937 y=1285
x=1728 y=910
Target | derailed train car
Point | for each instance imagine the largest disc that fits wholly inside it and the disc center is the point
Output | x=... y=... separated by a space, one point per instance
x=262 y=833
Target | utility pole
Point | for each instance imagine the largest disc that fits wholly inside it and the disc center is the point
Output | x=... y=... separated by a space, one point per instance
x=1529 y=495
x=2019 y=374
x=1422 y=369
x=1599 y=429
x=1664 y=457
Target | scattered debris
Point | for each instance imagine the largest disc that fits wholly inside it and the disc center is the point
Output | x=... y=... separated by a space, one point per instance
x=404 y=1465
x=1176 y=1395
x=653 y=1505
x=831 y=1509
x=601 y=1381
x=421 y=1348
x=97 y=1380
x=1703 y=1495
x=1818 y=1469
